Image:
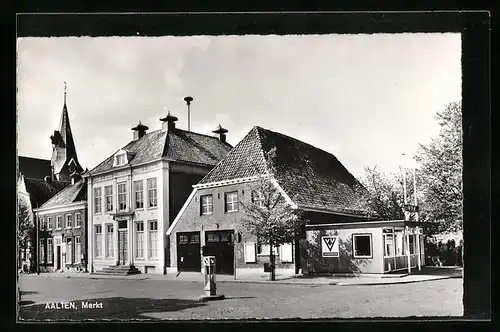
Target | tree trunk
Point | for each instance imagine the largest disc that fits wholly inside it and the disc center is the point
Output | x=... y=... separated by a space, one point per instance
x=271 y=260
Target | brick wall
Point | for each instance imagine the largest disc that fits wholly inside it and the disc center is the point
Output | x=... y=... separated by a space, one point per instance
x=70 y=232
x=192 y=220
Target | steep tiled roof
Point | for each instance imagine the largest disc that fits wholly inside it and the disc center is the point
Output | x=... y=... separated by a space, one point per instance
x=175 y=144
x=34 y=168
x=72 y=193
x=41 y=191
x=310 y=176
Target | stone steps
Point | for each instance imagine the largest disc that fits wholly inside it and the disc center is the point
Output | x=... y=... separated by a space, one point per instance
x=119 y=270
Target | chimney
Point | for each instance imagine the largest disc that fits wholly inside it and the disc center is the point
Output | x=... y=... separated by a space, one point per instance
x=220 y=133
x=168 y=122
x=139 y=131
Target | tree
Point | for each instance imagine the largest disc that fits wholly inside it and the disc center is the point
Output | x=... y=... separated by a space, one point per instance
x=25 y=229
x=385 y=195
x=440 y=171
x=268 y=216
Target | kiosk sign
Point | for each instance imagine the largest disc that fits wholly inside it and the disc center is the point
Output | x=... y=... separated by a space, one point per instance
x=330 y=246
x=209 y=260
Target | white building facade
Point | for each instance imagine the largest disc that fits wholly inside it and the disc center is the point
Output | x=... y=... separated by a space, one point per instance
x=134 y=195
x=128 y=212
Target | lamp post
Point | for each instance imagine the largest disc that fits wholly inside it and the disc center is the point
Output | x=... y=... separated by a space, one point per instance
x=188 y=100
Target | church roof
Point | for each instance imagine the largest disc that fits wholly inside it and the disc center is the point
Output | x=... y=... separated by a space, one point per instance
x=34 y=168
x=40 y=191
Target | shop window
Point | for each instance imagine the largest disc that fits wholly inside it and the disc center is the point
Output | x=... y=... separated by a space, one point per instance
x=362 y=245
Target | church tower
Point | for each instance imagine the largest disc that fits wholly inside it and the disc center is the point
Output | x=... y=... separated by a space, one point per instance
x=64 y=161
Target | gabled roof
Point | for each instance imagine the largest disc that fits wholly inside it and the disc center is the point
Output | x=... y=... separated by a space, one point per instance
x=311 y=177
x=71 y=194
x=41 y=191
x=175 y=144
x=34 y=168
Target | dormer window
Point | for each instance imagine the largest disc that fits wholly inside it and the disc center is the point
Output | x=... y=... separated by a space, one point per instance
x=122 y=157
x=120 y=160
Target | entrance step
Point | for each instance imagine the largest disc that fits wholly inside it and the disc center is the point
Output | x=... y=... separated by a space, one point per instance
x=119 y=270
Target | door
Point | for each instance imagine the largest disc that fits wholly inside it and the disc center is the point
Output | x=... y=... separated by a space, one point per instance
x=188 y=252
x=58 y=257
x=122 y=247
x=220 y=244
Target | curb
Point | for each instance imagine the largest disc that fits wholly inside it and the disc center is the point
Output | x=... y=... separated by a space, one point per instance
x=392 y=283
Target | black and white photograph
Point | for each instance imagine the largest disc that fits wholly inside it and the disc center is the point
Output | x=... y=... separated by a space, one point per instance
x=233 y=177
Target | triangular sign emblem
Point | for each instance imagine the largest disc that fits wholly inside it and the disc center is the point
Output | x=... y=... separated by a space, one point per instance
x=329 y=242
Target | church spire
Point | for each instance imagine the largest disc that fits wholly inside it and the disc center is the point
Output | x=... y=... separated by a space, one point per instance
x=63 y=147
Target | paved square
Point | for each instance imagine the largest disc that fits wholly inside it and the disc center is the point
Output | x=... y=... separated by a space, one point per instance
x=172 y=299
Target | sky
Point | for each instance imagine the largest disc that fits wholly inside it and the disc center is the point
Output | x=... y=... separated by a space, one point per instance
x=367 y=99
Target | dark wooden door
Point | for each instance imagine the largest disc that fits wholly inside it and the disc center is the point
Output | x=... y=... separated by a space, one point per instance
x=122 y=247
x=188 y=252
x=58 y=257
x=220 y=244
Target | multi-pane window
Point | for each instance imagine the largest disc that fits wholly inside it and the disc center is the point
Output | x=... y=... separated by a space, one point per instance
x=108 y=197
x=232 y=201
x=42 y=250
x=183 y=239
x=152 y=198
x=207 y=204
x=78 y=249
x=78 y=218
x=120 y=159
x=122 y=196
x=97 y=200
x=139 y=239
x=139 y=194
x=98 y=241
x=69 y=221
x=50 y=249
x=49 y=223
x=41 y=224
x=258 y=198
x=153 y=239
x=109 y=240
x=58 y=222
x=362 y=246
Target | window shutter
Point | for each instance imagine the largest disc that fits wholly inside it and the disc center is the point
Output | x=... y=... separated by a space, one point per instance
x=249 y=253
x=286 y=252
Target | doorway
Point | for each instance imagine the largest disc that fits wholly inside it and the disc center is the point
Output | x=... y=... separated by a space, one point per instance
x=122 y=247
x=58 y=259
x=188 y=252
x=220 y=244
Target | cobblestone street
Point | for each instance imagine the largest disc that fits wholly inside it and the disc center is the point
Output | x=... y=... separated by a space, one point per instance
x=173 y=299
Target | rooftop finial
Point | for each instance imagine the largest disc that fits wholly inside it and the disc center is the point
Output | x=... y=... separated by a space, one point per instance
x=65 y=86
